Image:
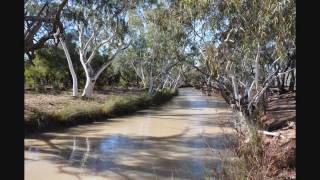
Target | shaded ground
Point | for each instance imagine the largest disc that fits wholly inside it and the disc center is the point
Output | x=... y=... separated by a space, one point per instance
x=281 y=110
x=280 y=119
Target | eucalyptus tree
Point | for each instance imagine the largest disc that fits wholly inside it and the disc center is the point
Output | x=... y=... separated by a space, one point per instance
x=167 y=42
x=61 y=37
x=41 y=23
x=243 y=45
x=57 y=73
x=102 y=29
x=149 y=49
x=137 y=54
x=256 y=40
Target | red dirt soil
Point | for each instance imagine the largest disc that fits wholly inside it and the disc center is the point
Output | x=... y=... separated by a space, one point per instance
x=280 y=118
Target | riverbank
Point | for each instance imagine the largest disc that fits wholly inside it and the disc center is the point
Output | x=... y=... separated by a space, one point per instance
x=267 y=147
x=46 y=112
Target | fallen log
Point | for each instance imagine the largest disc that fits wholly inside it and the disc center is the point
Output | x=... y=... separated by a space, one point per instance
x=275 y=134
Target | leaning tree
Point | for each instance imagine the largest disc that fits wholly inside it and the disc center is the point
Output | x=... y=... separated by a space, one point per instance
x=41 y=23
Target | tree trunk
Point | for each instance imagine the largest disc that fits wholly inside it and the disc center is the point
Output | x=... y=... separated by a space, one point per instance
x=170 y=84
x=143 y=79
x=140 y=74
x=208 y=81
x=283 y=78
x=287 y=80
x=175 y=85
x=137 y=80
x=150 y=86
x=73 y=74
x=235 y=88
x=264 y=102
x=278 y=83
x=249 y=91
x=159 y=86
x=165 y=82
x=257 y=68
x=88 y=89
x=292 y=82
x=150 y=82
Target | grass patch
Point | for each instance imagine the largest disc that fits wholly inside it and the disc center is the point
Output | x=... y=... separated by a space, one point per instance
x=82 y=111
x=251 y=163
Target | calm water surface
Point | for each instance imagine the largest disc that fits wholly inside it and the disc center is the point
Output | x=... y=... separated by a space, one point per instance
x=183 y=139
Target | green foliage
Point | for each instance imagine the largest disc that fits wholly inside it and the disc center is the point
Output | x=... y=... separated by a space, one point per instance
x=205 y=40
x=50 y=69
x=35 y=75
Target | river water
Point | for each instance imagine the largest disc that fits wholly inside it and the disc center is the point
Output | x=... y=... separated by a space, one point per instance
x=187 y=138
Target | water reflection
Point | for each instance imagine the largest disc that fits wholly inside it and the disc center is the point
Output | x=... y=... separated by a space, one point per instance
x=181 y=140
x=32 y=154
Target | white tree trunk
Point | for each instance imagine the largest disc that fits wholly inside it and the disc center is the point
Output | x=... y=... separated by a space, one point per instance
x=91 y=79
x=93 y=46
x=175 y=85
x=170 y=84
x=208 y=81
x=140 y=74
x=257 y=67
x=143 y=79
x=235 y=88
x=249 y=91
x=165 y=82
x=88 y=89
x=159 y=86
x=150 y=86
x=150 y=82
x=71 y=69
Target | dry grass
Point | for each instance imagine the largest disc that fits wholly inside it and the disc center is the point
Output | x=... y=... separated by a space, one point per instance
x=50 y=103
x=49 y=111
x=260 y=157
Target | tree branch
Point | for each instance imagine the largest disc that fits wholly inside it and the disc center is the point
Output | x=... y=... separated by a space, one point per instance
x=91 y=56
x=37 y=22
x=109 y=61
x=105 y=41
x=89 y=41
x=257 y=97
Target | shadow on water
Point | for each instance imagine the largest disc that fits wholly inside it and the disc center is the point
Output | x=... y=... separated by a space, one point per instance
x=199 y=104
x=173 y=156
x=178 y=156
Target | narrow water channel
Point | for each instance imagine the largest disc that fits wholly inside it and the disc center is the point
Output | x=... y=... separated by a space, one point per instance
x=183 y=139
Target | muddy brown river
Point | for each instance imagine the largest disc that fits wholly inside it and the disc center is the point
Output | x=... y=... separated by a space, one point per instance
x=187 y=138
